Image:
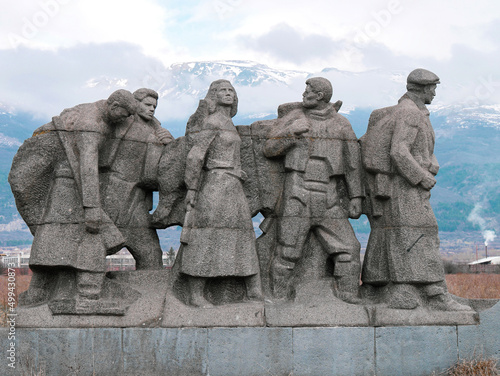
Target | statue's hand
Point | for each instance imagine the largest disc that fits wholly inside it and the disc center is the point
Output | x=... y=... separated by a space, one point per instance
x=355 y=207
x=164 y=136
x=428 y=182
x=299 y=127
x=92 y=220
x=190 y=198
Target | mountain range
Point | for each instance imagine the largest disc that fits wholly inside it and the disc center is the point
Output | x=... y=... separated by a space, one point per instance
x=466 y=197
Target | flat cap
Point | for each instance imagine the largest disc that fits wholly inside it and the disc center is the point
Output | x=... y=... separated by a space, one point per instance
x=422 y=77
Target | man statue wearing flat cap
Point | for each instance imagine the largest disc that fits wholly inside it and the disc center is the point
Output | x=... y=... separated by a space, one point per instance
x=402 y=257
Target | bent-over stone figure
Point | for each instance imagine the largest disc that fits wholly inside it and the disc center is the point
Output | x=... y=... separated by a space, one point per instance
x=128 y=179
x=217 y=239
x=321 y=153
x=55 y=181
x=398 y=154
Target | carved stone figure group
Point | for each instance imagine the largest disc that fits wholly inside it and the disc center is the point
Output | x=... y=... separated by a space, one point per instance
x=84 y=182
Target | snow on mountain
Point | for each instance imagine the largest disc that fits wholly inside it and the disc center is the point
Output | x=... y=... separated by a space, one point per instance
x=193 y=78
x=459 y=116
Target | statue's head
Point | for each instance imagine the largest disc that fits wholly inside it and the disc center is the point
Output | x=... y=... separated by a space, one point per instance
x=422 y=83
x=121 y=104
x=147 y=100
x=318 y=92
x=222 y=93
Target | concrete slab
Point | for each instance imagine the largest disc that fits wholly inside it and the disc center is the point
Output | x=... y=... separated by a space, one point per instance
x=383 y=316
x=157 y=351
x=250 y=351
x=481 y=340
x=333 y=351
x=415 y=350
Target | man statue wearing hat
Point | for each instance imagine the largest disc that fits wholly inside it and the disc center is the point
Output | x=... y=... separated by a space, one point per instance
x=402 y=260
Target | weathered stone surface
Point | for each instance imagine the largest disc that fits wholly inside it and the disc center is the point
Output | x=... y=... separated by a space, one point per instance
x=333 y=351
x=250 y=351
x=181 y=352
x=177 y=314
x=129 y=175
x=415 y=350
x=398 y=156
x=481 y=340
x=145 y=311
x=321 y=158
x=420 y=316
x=218 y=240
x=55 y=180
x=315 y=305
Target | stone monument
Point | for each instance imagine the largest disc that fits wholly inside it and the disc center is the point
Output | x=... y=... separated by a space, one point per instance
x=83 y=183
x=402 y=255
x=55 y=180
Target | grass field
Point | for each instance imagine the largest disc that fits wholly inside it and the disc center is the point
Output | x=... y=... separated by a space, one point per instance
x=474 y=286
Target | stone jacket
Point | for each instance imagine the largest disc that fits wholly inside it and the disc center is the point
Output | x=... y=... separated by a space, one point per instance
x=412 y=146
x=330 y=139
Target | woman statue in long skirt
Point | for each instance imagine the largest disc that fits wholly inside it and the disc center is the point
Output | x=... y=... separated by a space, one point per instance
x=218 y=238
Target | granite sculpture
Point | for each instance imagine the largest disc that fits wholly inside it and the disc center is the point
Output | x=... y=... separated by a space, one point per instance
x=83 y=183
x=128 y=177
x=402 y=254
x=55 y=180
x=217 y=238
x=321 y=155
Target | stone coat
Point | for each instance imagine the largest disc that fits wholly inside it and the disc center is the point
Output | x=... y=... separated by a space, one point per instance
x=404 y=245
x=218 y=236
x=60 y=238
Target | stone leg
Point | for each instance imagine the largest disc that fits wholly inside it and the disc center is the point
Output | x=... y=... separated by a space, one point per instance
x=254 y=287
x=89 y=284
x=292 y=233
x=197 y=291
x=338 y=239
x=403 y=296
x=144 y=246
x=281 y=273
x=40 y=289
x=439 y=298
x=347 y=271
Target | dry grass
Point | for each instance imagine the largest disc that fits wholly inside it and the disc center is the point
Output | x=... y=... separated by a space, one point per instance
x=477 y=366
x=22 y=284
x=474 y=286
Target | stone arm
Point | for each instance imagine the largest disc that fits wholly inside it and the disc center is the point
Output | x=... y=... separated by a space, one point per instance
x=163 y=134
x=194 y=162
x=353 y=175
x=434 y=167
x=284 y=136
x=402 y=140
x=353 y=169
x=87 y=144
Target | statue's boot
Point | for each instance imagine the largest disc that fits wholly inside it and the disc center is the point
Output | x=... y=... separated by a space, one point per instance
x=40 y=289
x=254 y=287
x=346 y=275
x=197 y=291
x=89 y=285
x=403 y=296
x=281 y=273
x=439 y=298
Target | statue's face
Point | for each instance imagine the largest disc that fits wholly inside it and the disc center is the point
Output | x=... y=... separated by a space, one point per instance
x=117 y=114
x=429 y=93
x=146 y=108
x=310 y=99
x=225 y=94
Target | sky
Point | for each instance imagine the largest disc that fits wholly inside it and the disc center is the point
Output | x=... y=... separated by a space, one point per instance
x=52 y=52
